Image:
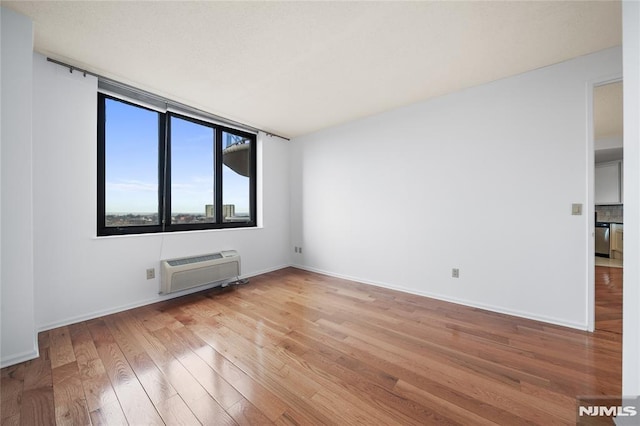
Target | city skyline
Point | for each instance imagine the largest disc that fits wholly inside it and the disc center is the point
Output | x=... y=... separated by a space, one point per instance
x=151 y=218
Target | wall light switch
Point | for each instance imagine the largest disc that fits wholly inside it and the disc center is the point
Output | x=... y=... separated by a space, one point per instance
x=576 y=209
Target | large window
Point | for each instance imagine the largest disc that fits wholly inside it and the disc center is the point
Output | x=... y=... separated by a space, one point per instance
x=161 y=171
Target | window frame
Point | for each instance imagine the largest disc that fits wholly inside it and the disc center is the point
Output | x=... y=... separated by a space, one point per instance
x=164 y=175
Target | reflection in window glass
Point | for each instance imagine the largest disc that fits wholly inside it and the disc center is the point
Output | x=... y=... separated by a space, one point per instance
x=236 y=171
x=131 y=165
x=192 y=172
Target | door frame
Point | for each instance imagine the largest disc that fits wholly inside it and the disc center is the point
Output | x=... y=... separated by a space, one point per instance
x=590 y=207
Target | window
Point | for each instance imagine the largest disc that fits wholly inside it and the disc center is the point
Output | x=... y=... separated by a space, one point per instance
x=162 y=171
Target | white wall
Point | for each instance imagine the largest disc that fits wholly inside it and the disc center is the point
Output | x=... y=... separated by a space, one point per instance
x=77 y=275
x=631 y=296
x=482 y=180
x=608 y=143
x=17 y=336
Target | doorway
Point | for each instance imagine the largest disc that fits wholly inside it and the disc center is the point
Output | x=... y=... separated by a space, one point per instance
x=608 y=206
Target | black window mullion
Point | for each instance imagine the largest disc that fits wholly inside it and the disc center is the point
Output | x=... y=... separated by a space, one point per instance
x=101 y=162
x=164 y=171
x=218 y=178
x=252 y=181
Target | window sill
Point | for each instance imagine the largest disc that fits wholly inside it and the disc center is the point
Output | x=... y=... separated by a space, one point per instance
x=163 y=234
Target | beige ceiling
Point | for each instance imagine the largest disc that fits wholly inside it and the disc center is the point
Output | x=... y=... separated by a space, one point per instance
x=607 y=111
x=295 y=67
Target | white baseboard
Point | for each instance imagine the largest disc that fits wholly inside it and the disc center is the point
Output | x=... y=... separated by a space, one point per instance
x=18 y=358
x=464 y=302
x=25 y=356
x=159 y=298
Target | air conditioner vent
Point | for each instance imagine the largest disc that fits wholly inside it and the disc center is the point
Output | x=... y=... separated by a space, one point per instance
x=189 y=272
x=195 y=259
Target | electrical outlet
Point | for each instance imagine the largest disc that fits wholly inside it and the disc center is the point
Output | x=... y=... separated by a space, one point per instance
x=455 y=273
x=300 y=250
x=151 y=273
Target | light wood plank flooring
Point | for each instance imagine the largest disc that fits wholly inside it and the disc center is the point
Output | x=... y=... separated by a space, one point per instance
x=609 y=299
x=293 y=347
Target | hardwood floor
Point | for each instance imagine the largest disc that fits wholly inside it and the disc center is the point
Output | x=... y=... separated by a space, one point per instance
x=609 y=299
x=293 y=347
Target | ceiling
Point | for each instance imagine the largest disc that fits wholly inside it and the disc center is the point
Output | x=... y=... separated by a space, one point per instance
x=292 y=68
x=607 y=122
x=607 y=111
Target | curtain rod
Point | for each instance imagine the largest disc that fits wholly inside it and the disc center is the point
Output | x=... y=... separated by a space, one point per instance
x=164 y=100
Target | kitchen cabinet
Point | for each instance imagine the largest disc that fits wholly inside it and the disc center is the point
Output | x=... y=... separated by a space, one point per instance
x=616 y=241
x=608 y=182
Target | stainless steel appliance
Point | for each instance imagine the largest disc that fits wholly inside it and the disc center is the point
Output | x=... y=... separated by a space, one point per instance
x=603 y=232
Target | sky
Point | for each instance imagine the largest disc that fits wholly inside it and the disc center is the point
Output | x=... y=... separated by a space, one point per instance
x=132 y=164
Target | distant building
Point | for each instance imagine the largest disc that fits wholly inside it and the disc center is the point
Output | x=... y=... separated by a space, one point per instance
x=228 y=211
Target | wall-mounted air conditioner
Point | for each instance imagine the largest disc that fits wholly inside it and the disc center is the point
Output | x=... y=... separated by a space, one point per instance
x=188 y=272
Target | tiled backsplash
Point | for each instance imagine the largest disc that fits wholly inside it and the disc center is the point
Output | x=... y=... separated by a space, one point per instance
x=609 y=213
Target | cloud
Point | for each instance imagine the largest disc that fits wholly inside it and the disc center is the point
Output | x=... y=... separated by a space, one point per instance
x=132 y=186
